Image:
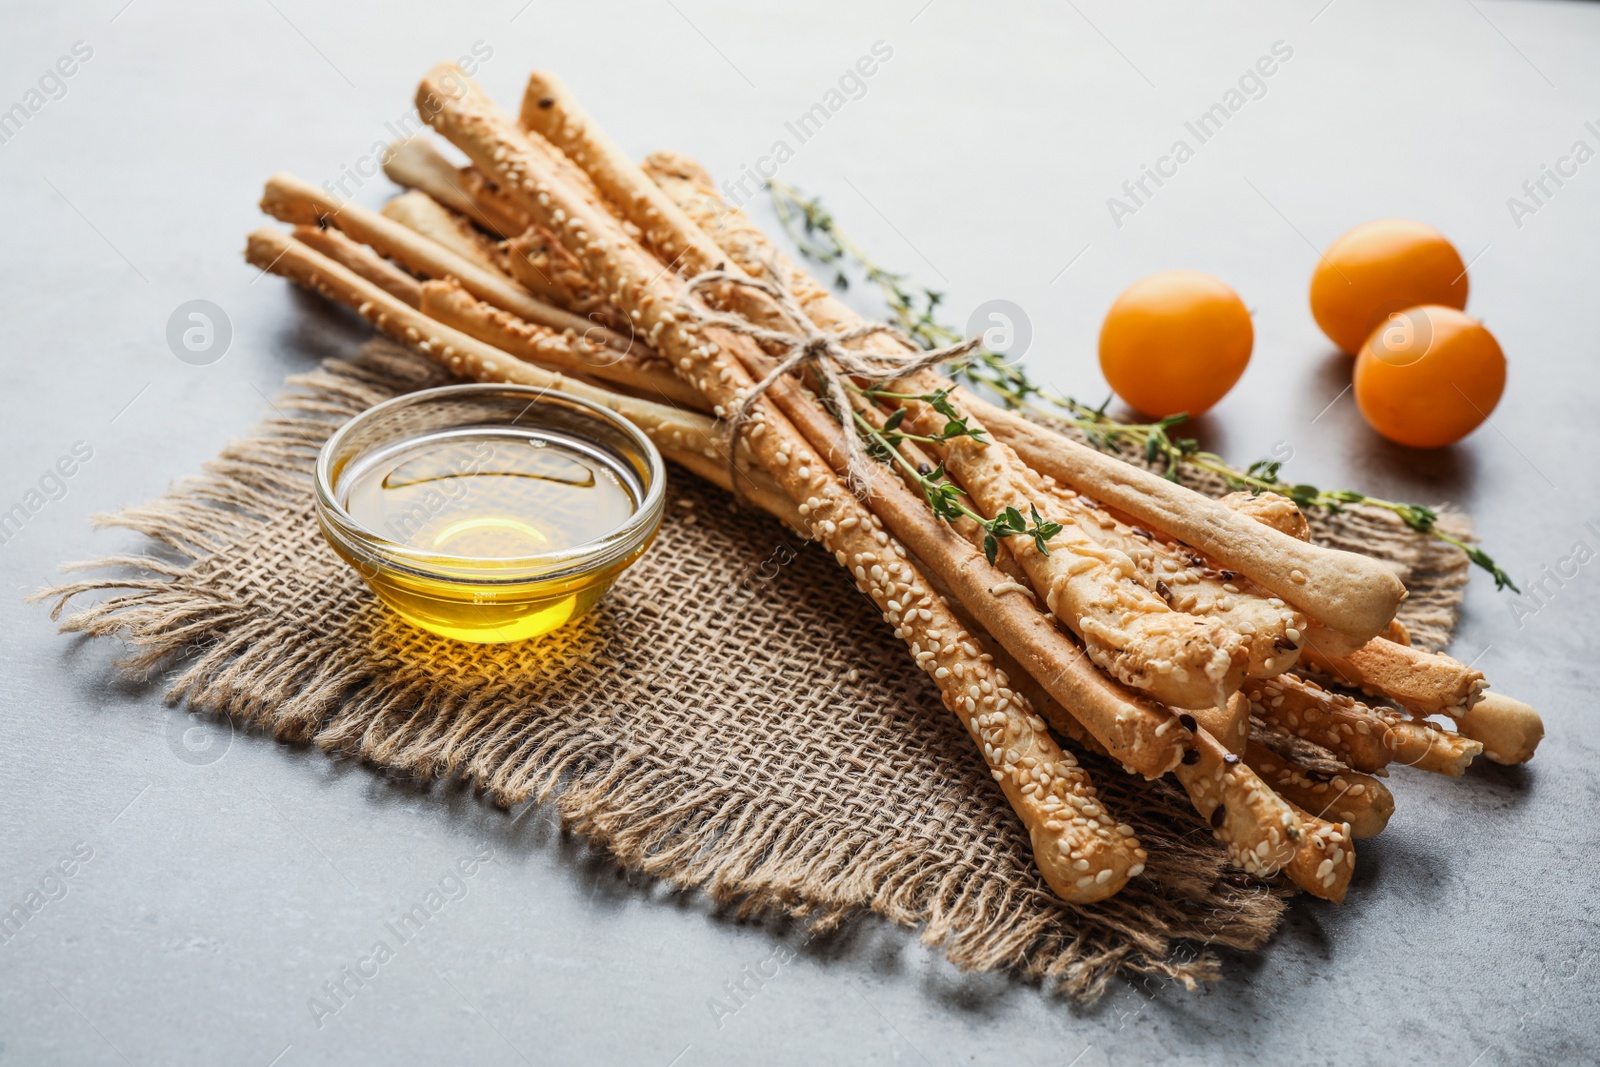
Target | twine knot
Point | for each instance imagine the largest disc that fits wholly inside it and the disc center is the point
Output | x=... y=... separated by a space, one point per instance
x=824 y=352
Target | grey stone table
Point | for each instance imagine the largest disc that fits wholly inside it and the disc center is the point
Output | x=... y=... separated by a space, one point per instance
x=219 y=882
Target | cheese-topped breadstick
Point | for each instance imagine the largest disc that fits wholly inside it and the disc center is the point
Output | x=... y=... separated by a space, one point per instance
x=1130 y=631
x=1082 y=852
x=1351 y=593
x=1191 y=583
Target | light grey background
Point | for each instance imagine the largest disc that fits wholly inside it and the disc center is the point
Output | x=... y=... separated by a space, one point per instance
x=221 y=895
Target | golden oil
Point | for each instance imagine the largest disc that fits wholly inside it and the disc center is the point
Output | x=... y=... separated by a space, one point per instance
x=490 y=525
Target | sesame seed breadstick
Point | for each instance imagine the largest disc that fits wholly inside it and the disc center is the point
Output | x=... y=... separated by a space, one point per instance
x=549 y=110
x=1336 y=721
x=1137 y=731
x=452 y=305
x=1133 y=729
x=1127 y=629
x=1193 y=584
x=1357 y=799
x=1365 y=737
x=418 y=211
x=1424 y=683
x=1348 y=592
x=686 y=438
x=1325 y=860
x=291 y=200
x=363 y=261
x=1508 y=729
x=1260 y=831
x=1428 y=747
x=1082 y=853
x=539 y=262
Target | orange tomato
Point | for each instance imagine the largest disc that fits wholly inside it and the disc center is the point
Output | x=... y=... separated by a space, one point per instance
x=1379 y=268
x=1428 y=376
x=1175 y=342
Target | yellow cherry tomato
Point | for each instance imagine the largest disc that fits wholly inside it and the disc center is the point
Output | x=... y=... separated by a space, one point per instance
x=1428 y=376
x=1380 y=268
x=1175 y=342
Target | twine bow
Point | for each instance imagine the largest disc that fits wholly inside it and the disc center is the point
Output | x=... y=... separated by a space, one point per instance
x=823 y=352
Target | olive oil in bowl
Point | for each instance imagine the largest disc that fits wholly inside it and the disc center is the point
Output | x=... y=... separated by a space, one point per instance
x=502 y=514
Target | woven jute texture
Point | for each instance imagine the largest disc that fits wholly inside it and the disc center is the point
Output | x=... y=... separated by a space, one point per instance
x=734 y=717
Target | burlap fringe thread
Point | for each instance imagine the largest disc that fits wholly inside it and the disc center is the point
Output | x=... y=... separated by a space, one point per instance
x=698 y=725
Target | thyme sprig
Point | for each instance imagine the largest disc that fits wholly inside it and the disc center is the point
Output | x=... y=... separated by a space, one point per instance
x=944 y=497
x=914 y=309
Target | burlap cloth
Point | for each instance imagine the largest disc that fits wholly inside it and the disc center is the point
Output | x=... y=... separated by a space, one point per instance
x=734 y=717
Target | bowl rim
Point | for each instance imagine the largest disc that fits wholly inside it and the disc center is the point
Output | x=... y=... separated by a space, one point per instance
x=590 y=556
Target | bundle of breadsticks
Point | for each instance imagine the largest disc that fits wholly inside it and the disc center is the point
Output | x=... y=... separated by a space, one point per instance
x=1071 y=600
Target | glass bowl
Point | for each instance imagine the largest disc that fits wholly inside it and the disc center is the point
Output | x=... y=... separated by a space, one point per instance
x=487 y=585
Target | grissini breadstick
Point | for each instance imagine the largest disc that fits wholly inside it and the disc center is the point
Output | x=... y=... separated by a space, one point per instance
x=1335 y=721
x=1326 y=859
x=1259 y=828
x=1192 y=584
x=1129 y=631
x=292 y=200
x=1367 y=738
x=1349 y=797
x=537 y=260
x=551 y=111
x=1428 y=747
x=1136 y=731
x=1256 y=826
x=1424 y=683
x=418 y=211
x=1065 y=823
x=452 y=305
x=1353 y=594
x=416 y=164
x=686 y=438
x=1508 y=729
x=363 y=260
